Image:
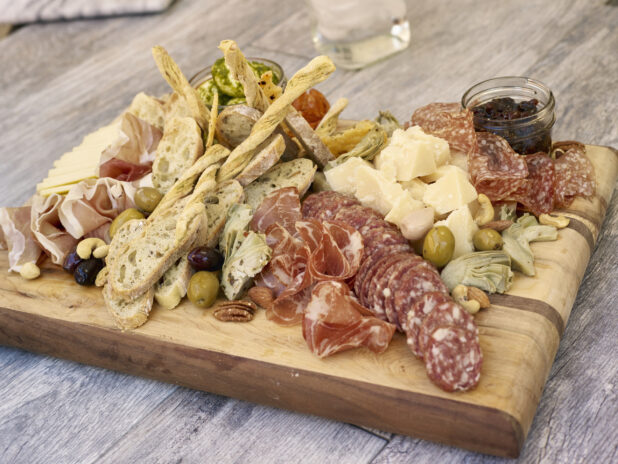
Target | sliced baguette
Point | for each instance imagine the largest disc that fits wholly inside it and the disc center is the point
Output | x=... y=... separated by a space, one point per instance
x=179 y=148
x=296 y=173
x=128 y=314
x=172 y=287
x=263 y=161
x=217 y=206
x=121 y=238
x=148 y=109
x=142 y=262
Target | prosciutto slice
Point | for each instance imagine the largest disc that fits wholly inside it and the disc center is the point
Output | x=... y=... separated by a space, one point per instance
x=47 y=228
x=92 y=204
x=16 y=236
x=574 y=176
x=334 y=321
x=131 y=155
x=279 y=207
x=304 y=252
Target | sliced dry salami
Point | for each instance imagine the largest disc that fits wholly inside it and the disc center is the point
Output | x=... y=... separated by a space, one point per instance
x=382 y=237
x=367 y=264
x=448 y=314
x=496 y=170
x=450 y=122
x=412 y=320
x=357 y=215
x=453 y=359
x=574 y=176
x=324 y=205
x=537 y=192
x=380 y=277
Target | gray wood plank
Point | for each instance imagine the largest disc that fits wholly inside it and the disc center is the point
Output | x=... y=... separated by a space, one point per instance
x=60 y=411
x=199 y=427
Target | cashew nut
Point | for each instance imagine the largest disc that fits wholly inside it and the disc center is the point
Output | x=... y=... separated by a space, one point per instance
x=101 y=252
x=101 y=279
x=471 y=298
x=559 y=221
x=88 y=245
x=485 y=213
x=30 y=271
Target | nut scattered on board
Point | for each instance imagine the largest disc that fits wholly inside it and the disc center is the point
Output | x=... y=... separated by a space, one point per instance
x=498 y=226
x=471 y=298
x=30 y=271
x=101 y=277
x=261 y=296
x=485 y=213
x=86 y=247
x=559 y=221
x=235 y=311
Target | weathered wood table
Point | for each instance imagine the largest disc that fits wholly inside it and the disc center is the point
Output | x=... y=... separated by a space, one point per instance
x=59 y=81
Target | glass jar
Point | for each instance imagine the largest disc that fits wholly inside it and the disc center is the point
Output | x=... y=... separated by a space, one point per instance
x=204 y=75
x=527 y=135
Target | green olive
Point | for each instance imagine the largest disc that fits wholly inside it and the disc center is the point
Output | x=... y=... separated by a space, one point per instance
x=487 y=240
x=147 y=198
x=126 y=216
x=438 y=246
x=203 y=288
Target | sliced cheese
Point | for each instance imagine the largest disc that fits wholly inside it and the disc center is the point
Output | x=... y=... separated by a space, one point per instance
x=412 y=153
x=462 y=225
x=80 y=163
x=402 y=207
x=449 y=192
x=342 y=178
x=375 y=190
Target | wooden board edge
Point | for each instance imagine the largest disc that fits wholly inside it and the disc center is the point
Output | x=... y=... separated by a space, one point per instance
x=449 y=421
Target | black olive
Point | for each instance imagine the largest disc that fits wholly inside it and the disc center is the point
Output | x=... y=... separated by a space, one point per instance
x=86 y=271
x=205 y=259
x=71 y=262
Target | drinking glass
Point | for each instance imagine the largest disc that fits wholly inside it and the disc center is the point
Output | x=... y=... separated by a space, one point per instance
x=356 y=33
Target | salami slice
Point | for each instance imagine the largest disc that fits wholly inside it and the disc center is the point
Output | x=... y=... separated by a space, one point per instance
x=453 y=359
x=450 y=122
x=357 y=215
x=537 y=192
x=413 y=319
x=376 y=286
x=369 y=261
x=383 y=290
x=397 y=280
x=448 y=314
x=496 y=170
x=574 y=176
x=324 y=205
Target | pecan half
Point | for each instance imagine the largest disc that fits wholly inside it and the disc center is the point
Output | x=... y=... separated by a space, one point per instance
x=235 y=311
x=261 y=296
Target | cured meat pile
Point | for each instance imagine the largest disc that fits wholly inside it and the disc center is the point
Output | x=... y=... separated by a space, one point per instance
x=537 y=182
x=400 y=287
x=310 y=263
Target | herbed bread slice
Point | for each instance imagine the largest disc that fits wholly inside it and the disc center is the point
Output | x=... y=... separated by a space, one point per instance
x=142 y=262
x=128 y=314
x=148 y=109
x=264 y=160
x=172 y=287
x=122 y=236
x=296 y=173
x=180 y=147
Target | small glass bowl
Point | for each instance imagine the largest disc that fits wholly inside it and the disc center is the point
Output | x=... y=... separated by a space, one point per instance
x=527 y=135
x=204 y=75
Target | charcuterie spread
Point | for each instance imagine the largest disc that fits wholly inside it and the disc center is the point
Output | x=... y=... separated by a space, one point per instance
x=245 y=195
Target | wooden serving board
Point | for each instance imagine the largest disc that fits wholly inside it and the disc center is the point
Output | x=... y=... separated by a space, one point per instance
x=265 y=363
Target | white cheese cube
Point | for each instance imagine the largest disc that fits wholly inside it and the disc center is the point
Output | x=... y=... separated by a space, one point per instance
x=416 y=187
x=342 y=178
x=412 y=153
x=403 y=206
x=373 y=189
x=462 y=225
x=449 y=192
x=441 y=171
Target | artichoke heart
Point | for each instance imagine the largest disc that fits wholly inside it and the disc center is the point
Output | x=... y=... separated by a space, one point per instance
x=238 y=218
x=388 y=122
x=245 y=262
x=487 y=270
x=369 y=146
